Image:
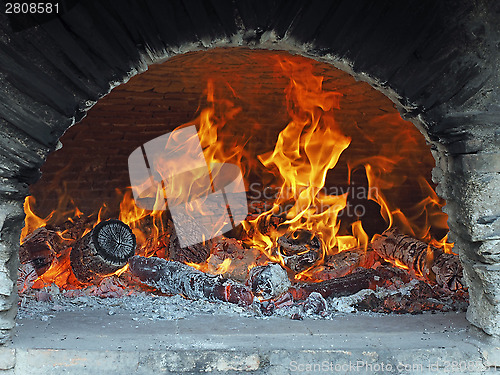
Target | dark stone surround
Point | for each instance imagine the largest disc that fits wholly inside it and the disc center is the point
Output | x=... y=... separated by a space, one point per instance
x=437 y=60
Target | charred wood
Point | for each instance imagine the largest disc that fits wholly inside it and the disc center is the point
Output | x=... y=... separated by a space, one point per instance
x=422 y=297
x=433 y=264
x=40 y=248
x=240 y=257
x=173 y=277
x=102 y=251
x=75 y=227
x=300 y=250
x=268 y=306
x=197 y=253
x=364 y=278
x=158 y=244
x=343 y=263
x=314 y=304
x=26 y=278
x=268 y=281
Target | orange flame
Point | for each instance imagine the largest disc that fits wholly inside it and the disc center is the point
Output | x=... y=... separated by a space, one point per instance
x=309 y=147
x=31 y=221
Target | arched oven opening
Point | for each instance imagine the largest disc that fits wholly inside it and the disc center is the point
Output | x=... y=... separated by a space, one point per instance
x=321 y=151
x=336 y=191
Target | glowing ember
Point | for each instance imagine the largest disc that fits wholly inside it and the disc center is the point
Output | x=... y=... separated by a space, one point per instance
x=300 y=169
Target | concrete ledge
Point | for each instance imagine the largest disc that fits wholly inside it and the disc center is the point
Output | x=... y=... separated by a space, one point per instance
x=95 y=342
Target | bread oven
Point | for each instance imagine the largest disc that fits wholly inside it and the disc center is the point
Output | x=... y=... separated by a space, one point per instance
x=286 y=98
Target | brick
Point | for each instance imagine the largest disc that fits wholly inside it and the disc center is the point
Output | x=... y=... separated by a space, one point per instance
x=170 y=94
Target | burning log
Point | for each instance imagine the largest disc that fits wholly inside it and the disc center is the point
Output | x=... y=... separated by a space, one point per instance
x=364 y=278
x=40 y=249
x=268 y=281
x=230 y=258
x=314 y=294
x=300 y=250
x=421 y=297
x=343 y=263
x=102 y=251
x=433 y=264
x=158 y=245
x=173 y=277
x=75 y=227
x=268 y=306
x=26 y=278
x=166 y=245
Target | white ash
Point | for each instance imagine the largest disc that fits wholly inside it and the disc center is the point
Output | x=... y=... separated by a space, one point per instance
x=269 y=281
x=346 y=304
x=146 y=306
x=315 y=304
x=140 y=306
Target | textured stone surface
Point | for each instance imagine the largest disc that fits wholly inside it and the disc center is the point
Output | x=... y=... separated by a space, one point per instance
x=484 y=309
x=477 y=163
x=489 y=251
x=94 y=342
x=473 y=205
x=7 y=358
x=11 y=216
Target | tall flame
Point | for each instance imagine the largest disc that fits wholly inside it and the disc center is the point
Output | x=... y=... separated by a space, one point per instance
x=305 y=151
x=310 y=146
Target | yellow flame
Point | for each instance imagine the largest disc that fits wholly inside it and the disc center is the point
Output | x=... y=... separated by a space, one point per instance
x=223 y=267
x=309 y=146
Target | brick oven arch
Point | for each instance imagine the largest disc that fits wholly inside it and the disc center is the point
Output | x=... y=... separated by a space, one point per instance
x=438 y=62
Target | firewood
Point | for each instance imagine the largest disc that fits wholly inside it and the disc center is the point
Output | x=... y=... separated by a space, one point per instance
x=265 y=223
x=157 y=244
x=343 y=263
x=102 y=251
x=300 y=249
x=433 y=264
x=268 y=281
x=40 y=248
x=75 y=227
x=26 y=278
x=364 y=278
x=268 y=306
x=240 y=258
x=421 y=297
x=173 y=277
x=166 y=245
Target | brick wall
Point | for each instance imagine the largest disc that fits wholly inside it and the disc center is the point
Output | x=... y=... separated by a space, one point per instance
x=93 y=160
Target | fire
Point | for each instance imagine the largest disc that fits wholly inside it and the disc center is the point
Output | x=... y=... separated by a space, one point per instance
x=311 y=145
x=223 y=267
x=31 y=221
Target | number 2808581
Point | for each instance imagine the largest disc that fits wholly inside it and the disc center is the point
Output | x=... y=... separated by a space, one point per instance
x=31 y=8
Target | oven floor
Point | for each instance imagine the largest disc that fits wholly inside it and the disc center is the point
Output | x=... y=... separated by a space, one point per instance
x=95 y=342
